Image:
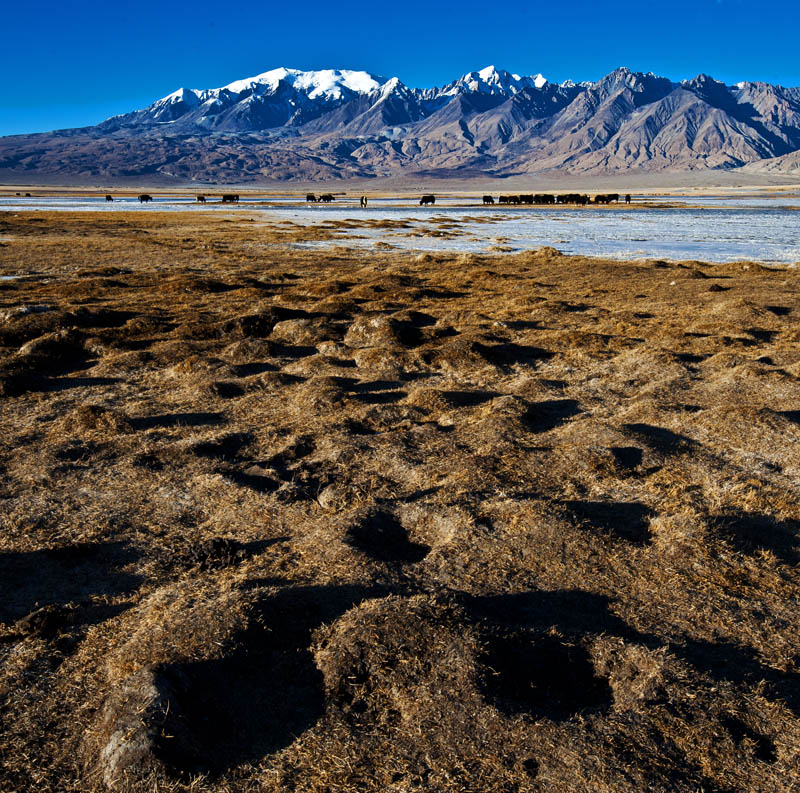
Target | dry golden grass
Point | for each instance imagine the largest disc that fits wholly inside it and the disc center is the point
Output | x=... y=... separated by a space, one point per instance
x=277 y=519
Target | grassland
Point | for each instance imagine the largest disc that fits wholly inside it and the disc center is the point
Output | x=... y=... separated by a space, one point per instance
x=282 y=519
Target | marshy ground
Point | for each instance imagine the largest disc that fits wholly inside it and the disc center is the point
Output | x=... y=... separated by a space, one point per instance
x=289 y=519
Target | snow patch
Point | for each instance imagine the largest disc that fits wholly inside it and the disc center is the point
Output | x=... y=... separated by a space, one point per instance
x=327 y=83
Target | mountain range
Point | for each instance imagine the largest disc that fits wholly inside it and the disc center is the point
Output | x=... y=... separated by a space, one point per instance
x=291 y=125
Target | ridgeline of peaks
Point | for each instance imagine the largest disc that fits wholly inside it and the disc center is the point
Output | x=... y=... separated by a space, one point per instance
x=288 y=124
x=288 y=97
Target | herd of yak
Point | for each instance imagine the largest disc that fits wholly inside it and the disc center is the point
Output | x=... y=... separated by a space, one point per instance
x=530 y=198
x=564 y=198
x=428 y=200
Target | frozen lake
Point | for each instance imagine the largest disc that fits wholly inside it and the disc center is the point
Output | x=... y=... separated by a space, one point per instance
x=708 y=228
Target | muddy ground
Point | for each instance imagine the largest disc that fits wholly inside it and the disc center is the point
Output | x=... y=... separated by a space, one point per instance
x=280 y=519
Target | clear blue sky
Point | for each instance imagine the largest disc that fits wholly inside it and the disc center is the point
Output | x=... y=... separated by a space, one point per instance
x=66 y=64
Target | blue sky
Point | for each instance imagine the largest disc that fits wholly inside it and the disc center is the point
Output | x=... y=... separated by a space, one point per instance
x=72 y=63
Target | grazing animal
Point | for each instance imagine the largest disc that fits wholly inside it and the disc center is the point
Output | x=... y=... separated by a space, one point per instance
x=427 y=199
x=503 y=199
x=487 y=199
x=526 y=199
x=109 y=198
x=363 y=201
x=572 y=198
x=326 y=198
x=144 y=198
x=201 y=199
x=514 y=199
x=627 y=198
x=28 y=195
x=230 y=198
x=311 y=197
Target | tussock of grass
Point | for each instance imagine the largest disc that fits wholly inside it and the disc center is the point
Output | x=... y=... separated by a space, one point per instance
x=279 y=519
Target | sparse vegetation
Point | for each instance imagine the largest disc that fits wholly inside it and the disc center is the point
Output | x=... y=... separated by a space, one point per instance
x=282 y=519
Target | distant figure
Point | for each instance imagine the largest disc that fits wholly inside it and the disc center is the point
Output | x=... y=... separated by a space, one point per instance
x=27 y=195
x=201 y=199
x=627 y=198
x=427 y=199
x=109 y=198
x=230 y=198
x=144 y=198
x=311 y=197
x=363 y=201
x=487 y=199
x=503 y=199
x=326 y=198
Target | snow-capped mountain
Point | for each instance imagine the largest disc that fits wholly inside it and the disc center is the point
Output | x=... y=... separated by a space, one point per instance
x=289 y=97
x=493 y=81
x=280 y=97
x=289 y=124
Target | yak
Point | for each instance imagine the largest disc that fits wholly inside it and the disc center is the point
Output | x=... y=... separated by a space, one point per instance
x=201 y=199
x=487 y=199
x=572 y=198
x=427 y=199
x=326 y=198
x=310 y=197
x=109 y=198
x=230 y=198
x=144 y=198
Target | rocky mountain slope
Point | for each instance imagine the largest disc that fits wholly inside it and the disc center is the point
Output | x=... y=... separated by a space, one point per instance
x=287 y=124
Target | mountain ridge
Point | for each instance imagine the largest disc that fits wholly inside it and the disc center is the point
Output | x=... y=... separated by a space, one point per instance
x=293 y=125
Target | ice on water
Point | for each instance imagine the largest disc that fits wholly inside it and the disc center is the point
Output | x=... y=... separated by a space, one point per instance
x=713 y=229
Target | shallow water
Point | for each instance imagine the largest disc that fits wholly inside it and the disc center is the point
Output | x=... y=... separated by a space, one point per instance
x=713 y=228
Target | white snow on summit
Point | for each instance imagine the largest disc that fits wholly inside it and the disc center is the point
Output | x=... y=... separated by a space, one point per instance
x=492 y=80
x=331 y=86
x=326 y=83
x=490 y=75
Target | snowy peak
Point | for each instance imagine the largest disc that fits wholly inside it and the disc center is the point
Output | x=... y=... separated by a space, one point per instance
x=492 y=81
x=329 y=84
